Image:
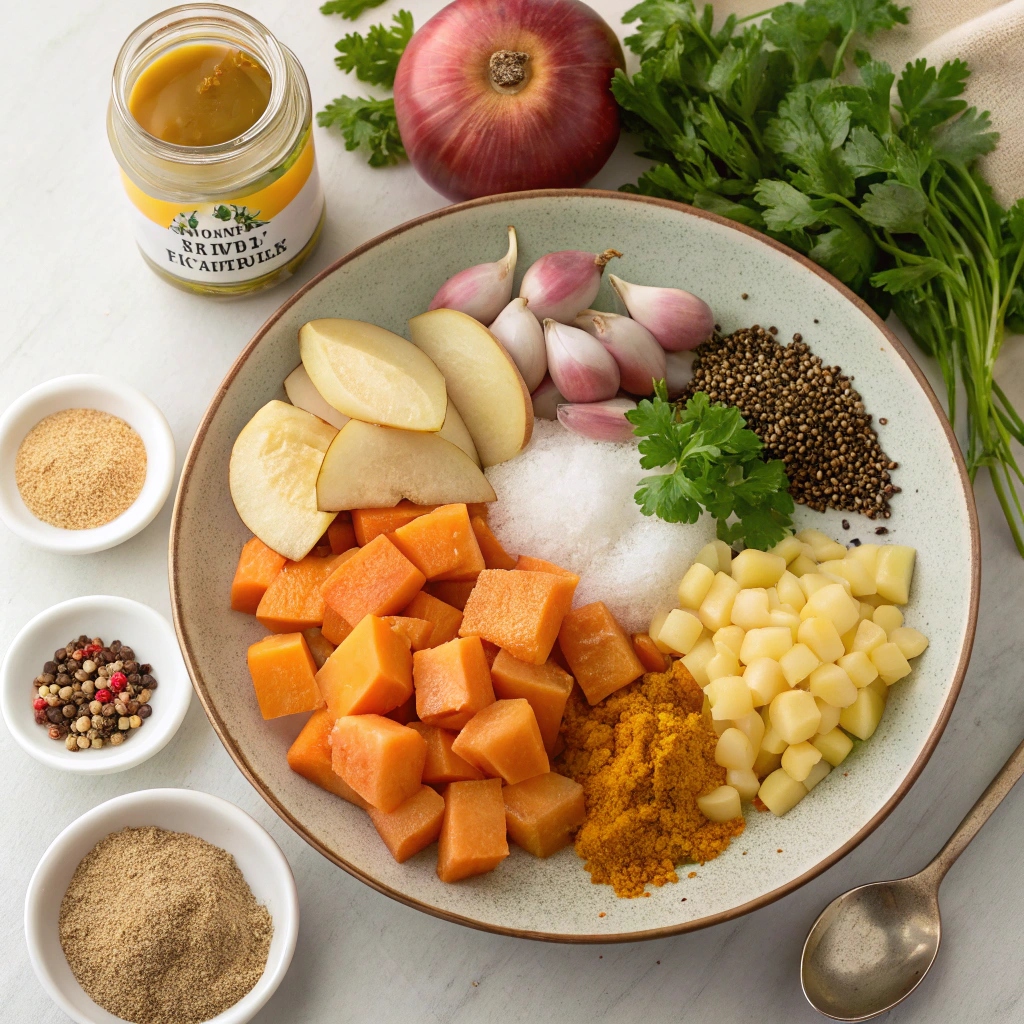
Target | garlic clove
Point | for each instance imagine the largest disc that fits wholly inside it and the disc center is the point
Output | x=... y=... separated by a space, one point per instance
x=582 y=369
x=676 y=318
x=546 y=400
x=523 y=337
x=600 y=421
x=483 y=291
x=678 y=371
x=641 y=360
x=560 y=284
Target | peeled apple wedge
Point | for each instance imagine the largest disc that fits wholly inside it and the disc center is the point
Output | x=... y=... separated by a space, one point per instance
x=455 y=430
x=302 y=393
x=368 y=466
x=273 y=474
x=482 y=380
x=370 y=374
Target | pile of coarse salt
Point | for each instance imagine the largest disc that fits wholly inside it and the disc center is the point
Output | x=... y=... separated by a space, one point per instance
x=570 y=500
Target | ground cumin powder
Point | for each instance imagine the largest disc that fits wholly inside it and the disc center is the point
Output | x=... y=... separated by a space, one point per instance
x=161 y=927
x=643 y=756
x=80 y=468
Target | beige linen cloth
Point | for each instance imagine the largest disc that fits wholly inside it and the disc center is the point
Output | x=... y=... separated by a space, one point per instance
x=989 y=35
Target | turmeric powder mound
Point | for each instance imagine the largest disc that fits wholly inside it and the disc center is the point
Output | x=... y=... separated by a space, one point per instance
x=643 y=756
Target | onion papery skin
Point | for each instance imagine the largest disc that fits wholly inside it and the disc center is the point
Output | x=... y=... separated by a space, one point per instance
x=467 y=139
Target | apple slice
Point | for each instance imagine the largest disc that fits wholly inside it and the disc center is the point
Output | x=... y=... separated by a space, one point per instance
x=376 y=467
x=371 y=374
x=456 y=431
x=302 y=393
x=272 y=476
x=482 y=380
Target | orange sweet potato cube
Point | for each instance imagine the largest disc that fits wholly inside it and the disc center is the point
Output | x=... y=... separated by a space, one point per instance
x=341 y=535
x=310 y=756
x=319 y=646
x=472 y=839
x=599 y=652
x=503 y=741
x=530 y=564
x=518 y=610
x=370 y=672
x=413 y=825
x=495 y=556
x=445 y=618
x=258 y=565
x=546 y=687
x=542 y=813
x=441 y=544
x=293 y=601
x=335 y=627
x=377 y=580
x=452 y=682
x=453 y=592
x=404 y=714
x=442 y=765
x=415 y=631
x=647 y=651
x=372 y=522
x=283 y=673
x=380 y=759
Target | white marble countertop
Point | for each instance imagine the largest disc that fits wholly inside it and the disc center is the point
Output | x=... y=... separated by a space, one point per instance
x=75 y=296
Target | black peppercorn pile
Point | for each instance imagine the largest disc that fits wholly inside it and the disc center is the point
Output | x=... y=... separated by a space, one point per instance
x=806 y=414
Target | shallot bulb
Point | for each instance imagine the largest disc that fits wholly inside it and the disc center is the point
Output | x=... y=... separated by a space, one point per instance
x=676 y=318
x=582 y=369
x=678 y=371
x=523 y=337
x=546 y=400
x=483 y=291
x=640 y=358
x=600 y=421
x=559 y=285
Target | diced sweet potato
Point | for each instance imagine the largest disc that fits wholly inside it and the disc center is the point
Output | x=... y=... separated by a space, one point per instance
x=504 y=741
x=546 y=687
x=380 y=759
x=370 y=672
x=647 y=651
x=530 y=564
x=472 y=840
x=452 y=683
x=599 y=653
x=441 y=544
x=413 y=825
x=341 y=534
x=416 y=631
x=453 y=592
x=372 y=522
x=490 y=651
x=293 y=601
x=495 y=556
x=335 y=627
x=443 y=765
x=283 y=673
x=404 y=714
x=542 y=813
x=518 y=610
x=258 y=566
x=310 y=756
x=319 y=646
x=445 y=618
x=377 y=580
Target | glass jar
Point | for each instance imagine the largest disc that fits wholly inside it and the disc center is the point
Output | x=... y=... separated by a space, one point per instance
x=229 y=218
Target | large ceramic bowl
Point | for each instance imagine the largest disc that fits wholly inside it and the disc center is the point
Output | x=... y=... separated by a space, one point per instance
x=747 y=279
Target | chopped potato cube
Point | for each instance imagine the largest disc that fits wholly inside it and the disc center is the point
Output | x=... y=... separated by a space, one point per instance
x=730 y=637
x=888 y=616
x=708 y=555
x=861 y=580
x=724 y=663
x=794 y=716
x=833 y=578
x=734 y=749
x=722 y=804
x=730 y=698
x=802 y=566
x=697 y=660
x=869 y=636
x=859 y=667
x=867 y=555
x=880 y=686
x=788 y=549
x=750 y=609
x=720 y=726
x=766 y=762
x=816 y=774
x=655 y=628
x=785 y=617
x=895 y=571
x=773 y=599
x=866 y=610
x=744 y=781
x=753 y=568
x=813 y=581
x=765 y=680
x=833 y=603
x=780 y=792
x=752 y=726
x=829 y=716
x=799 y=759
x=833 y=685
x=790 y=592
x=695 y=584
x=834 y=746
x=891 y=663
x=771 y=743
x=861 y=718
x=680 y=631
x=724 y=555
x=909 y=641
x=798 y=663
x=716 y=608
x=823 y=546
x=769 y=642
x=821 y=635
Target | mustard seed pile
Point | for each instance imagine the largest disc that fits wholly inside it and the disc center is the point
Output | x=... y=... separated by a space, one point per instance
x=807 y=414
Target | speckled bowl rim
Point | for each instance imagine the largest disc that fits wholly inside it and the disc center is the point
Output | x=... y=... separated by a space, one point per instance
x=223 y=731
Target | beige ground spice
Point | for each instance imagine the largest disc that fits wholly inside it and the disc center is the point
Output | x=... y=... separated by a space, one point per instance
x=161 y=927
x=80 y=468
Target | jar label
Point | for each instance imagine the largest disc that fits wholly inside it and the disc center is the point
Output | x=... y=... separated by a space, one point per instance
x=231 y=241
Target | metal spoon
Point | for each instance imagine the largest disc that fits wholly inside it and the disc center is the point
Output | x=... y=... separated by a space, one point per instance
x=872 y=946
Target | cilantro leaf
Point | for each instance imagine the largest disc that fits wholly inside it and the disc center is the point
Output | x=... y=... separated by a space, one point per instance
x=894 y=206
x=660 y=22
x=846 y=250
x=911 y=275
x=350 y=9
x=962 y=141
x=374 y=57
x=865 y=153
x=864 y=16
x=928 y=94
x=366 y=124
x=786 y=208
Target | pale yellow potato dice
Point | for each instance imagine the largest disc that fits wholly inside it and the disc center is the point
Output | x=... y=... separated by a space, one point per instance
x=832 y=685
x=753 y=568
x=888 y=616
x=829 y=716
x=866 y=610
x=849 y=637
x=798 y=663
x=891 y=663
x=867 y=555
x=708 y=555
x=880 y=686
x=834 y=746
x=799 y=759
x=716 y=608
x=752 y=726
x=859 y=667
x=785 y=617
x=771 y=743
x=911 y=642
x=816 y=774
x=750 y=609
x=822 y=637
x=724 y=555
x=766 y=762
x=780 y=792
x=823 y=546
x=833 y=603
x=833 y=578
x=895 y=571
x=790 y=592
x=697 y=660
x=802 y=566
x=794 y=716
x=788 y=549
x=765 y=680
x=722 y=804
x=695 y=584
x=680 y=631
x=730 y=698
x=813 y=581
x=744 y=781
x=869 y=636
x=861 y=580
x=770 y=642
x=655 y=628
x=861 y=718
x=724 y=663
x=730 y=637
x=773 y=599
x=734 y=750
x=720 y=726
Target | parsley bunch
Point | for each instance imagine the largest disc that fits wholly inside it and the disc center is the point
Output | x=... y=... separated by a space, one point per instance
x=713 y=463
x=767 y=124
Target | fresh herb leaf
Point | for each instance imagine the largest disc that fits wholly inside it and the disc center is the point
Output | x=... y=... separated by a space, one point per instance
x=963 y=140
x=895 y=207
x=366 y=124
x=350 y=9
x=928 y=94
x=913 y=275
x=374 y=57
x=786 y=208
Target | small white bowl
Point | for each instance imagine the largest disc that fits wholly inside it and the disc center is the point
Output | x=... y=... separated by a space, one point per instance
x=258 y=857
x=149 y=635
x=86 y=391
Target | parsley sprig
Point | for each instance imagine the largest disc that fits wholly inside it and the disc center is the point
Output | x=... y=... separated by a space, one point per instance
x=374 y=57
x=350 y=9
x=713 y=463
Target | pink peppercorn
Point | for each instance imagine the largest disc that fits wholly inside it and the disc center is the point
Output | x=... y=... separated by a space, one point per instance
x=104 y=696
x=118 y=681
x=39 y=703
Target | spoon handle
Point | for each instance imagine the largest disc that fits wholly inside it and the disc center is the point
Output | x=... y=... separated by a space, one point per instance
x=978 y=815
